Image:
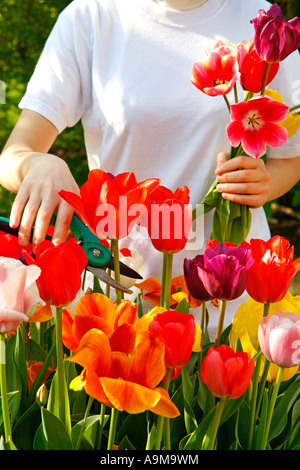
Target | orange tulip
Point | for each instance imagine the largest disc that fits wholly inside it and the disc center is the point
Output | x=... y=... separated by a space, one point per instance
x=125 y=382
x=151 y=290
x=98 y=311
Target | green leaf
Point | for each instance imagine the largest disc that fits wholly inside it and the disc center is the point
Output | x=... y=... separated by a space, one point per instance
x=55 y=434
x=183 y=306
x=283 y=404
x=53 y=400
x=20 y=358
x=195 y=440
x=26 y=427
x=11 y=396
x=259 y=432
x=188 y=395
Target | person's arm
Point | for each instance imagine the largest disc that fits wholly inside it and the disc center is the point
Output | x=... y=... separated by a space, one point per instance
x=26 y=168
x=246 y=180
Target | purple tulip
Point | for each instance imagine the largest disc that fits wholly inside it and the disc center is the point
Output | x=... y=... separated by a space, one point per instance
x=193 y=282
x=224 y=271
x=275 y=38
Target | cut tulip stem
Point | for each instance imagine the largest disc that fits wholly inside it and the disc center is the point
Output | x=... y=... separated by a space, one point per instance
x=221 y=322
x=3 y=389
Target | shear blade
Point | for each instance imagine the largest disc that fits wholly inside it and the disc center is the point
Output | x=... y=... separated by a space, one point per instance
x=103 y=276
x=124 y=270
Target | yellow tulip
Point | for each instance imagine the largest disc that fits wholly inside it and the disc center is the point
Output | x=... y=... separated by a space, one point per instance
x=292 y=121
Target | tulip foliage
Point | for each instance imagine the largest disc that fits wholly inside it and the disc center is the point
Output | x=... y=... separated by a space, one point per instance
x=84 y=368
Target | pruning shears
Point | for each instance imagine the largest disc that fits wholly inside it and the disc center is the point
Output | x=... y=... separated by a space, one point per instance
x=98 y=255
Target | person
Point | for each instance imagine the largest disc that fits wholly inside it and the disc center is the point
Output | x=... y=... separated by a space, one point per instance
x=124 y=69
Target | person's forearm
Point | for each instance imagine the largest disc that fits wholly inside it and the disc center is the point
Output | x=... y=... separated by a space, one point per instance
x=284 y=174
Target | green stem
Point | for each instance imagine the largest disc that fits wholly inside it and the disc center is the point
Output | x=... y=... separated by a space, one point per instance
x=221 y=322
x=210 y=438
x=163 y=279
x=61 y=381
x=236 y=98
x=3 y=389
x=293 y=108
x=266 y=309
x=227 y=103
x=202 y=325
x=112 y=428
x=262 y=386
x=100 y=427
x=115 y=246
x=87 y=410
x=255 y=380
x=167 y=281
x=161 y=419
x=272 y=405
x=265 y=79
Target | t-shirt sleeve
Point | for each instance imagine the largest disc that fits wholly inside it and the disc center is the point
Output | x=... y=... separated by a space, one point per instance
x=287 y=82
x=57 y=88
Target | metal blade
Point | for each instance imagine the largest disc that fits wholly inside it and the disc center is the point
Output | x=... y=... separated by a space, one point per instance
x=103 y=276
x=124 y=269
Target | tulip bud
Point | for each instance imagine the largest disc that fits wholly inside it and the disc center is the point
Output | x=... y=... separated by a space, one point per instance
x=42 y=395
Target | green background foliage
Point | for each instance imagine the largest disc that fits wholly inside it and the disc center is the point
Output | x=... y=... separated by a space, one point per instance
x=24 y=28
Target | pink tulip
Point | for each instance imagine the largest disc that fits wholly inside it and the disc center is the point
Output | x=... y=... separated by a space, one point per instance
x=253 y=124
x=16 y=298
x=275 y=38
x=279 y=338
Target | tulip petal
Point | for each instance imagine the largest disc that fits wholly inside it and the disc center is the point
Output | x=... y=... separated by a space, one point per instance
x=128 y=396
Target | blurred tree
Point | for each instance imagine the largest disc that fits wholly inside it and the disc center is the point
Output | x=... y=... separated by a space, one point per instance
x=24 y=28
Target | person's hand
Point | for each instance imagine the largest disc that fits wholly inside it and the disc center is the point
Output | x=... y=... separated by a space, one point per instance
x=38 y=198
x=242 y=179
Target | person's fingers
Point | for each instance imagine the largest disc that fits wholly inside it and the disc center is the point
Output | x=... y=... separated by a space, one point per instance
x=62 y=224
x=251 y=200
x=222 y=157
x=42 y=221
x=240 y=162
x=27 y=221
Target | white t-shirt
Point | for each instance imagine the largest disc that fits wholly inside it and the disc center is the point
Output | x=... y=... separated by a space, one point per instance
x=124 y=68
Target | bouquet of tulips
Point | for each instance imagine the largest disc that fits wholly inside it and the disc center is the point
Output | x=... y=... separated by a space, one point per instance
x=81 y=369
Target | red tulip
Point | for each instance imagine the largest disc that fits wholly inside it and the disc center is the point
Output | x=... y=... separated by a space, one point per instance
x=217 y=74
x=169 y=219
x=226 y=373
x=275 y=38
x=253 y=71
x=105 y=201
x=272 y=270
x=177 y=332
x=61 y=268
